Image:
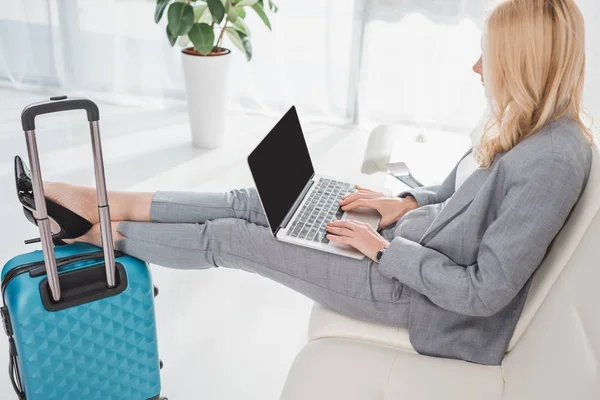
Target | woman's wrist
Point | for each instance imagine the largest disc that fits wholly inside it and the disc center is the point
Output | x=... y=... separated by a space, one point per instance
x=381 y=245
x=380 y=254
x=409 y=199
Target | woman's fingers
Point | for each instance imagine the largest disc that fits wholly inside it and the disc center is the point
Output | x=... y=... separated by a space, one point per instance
x=357 y=191
x=364 y=189
x=358 y=187
x=346 y=223
x=340 y=231
x=341 y=224
x=346 y=231
x=350 y=224
x=367 y=189
x=355 y=204
x=340 y=239
x=356 y=196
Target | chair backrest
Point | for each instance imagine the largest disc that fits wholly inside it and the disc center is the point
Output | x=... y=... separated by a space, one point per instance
x=555 y=350
x=563 y=247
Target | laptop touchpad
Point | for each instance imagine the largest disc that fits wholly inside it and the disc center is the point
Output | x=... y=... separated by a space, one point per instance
x=366 y=215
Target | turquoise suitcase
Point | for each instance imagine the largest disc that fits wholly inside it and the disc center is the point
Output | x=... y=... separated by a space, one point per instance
x=80 y=320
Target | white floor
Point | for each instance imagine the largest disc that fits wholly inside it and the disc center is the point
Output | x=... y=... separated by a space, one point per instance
x=223 y=334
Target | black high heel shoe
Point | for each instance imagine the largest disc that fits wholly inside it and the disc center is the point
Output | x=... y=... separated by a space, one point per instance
x=72 y=225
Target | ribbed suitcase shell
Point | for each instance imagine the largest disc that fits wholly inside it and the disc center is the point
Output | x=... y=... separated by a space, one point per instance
x=105 y=350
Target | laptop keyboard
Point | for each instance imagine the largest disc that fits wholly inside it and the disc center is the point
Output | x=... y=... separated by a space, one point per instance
x=321 y=208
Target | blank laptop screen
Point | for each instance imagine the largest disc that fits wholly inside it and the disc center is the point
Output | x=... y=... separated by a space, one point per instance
x=281 y=168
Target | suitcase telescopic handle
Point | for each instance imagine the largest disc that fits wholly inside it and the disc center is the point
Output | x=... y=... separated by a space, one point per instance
x=58 y=104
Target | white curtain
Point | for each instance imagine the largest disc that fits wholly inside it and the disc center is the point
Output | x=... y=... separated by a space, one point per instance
x=418 y=63
x=367 y=61
x=591 y=11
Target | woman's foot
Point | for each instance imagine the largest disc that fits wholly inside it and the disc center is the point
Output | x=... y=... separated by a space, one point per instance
x=66 y=206
x=124 y=206
x=73 y=210
x=81 y=200
x=94 y=237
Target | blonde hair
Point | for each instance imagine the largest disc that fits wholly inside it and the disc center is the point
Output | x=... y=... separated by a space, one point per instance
x=534 y=67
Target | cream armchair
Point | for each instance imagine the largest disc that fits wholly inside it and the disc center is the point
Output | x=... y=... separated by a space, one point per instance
x=554 y=353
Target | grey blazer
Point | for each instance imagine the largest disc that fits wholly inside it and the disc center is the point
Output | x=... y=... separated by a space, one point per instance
x=468 y=265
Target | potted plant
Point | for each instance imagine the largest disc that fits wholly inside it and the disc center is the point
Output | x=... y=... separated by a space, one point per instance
x=204 y=24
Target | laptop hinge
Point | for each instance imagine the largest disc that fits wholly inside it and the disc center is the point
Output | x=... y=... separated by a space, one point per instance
x=296 y=204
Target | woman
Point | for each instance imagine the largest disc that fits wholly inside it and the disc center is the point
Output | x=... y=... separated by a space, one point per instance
x=456 y=260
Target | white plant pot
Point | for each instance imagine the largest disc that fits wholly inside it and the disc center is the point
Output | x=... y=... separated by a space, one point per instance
x=207 y=89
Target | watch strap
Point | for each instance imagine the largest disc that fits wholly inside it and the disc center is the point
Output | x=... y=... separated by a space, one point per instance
x=380 y=254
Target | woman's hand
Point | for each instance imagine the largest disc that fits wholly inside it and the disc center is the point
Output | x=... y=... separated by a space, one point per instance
x=390 y=208
x=359 y=235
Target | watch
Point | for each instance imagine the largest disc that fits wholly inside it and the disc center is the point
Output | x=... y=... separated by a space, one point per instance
x=380 y=254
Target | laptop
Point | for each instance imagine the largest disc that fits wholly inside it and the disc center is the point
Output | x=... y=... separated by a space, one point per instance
x=298 y=203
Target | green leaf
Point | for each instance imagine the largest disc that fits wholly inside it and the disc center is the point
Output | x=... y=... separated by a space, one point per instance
x=172 y=38
x=240 y=12
x=199 y=9
x=235 y=38
x=241 y=26
x=247 y=45
x=206 y=17
x=203 y=37
x=216 y=9
x=160 y=9
x=240 y=41
x=261 y=13
x=231 y=13
x=273 y=7
x=181 y=18
x=269 y=4
x=246 y=3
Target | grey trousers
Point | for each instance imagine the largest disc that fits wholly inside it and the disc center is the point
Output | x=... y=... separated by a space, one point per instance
x=204 y=230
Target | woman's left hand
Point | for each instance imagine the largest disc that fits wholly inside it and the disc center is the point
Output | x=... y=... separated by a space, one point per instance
x=359 y=235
